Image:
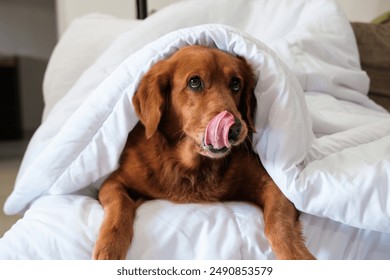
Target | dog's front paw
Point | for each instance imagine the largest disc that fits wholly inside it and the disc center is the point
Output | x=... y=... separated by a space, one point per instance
x=106 y=250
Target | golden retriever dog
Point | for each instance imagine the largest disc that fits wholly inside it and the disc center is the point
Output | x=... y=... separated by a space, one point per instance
x=193 y=145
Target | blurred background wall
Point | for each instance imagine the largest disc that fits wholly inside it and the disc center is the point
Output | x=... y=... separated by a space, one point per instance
x=28 y=31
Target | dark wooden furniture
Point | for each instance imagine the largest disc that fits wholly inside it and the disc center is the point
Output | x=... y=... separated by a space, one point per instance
x=10 y=115
x=142 y=9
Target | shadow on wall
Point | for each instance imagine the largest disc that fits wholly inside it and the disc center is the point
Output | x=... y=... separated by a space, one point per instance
x=31 y=73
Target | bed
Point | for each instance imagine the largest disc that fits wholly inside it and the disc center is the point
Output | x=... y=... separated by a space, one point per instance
x=322 y=139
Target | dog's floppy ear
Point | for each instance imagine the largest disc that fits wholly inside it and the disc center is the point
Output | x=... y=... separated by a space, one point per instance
x=248 y=107
x=248 y=102
x=149 y=99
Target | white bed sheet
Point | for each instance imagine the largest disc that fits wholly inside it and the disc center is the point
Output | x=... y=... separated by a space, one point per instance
x=65 y=227
x=324 y=176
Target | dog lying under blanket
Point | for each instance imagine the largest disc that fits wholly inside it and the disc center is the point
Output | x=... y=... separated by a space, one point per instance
x=193 y=145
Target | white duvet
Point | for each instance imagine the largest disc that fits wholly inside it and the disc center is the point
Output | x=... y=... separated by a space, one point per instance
x=324 y=142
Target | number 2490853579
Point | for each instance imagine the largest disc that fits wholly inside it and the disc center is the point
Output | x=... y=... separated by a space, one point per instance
x=241 y=270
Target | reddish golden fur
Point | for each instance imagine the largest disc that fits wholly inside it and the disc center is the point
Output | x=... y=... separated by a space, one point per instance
x=165 y=157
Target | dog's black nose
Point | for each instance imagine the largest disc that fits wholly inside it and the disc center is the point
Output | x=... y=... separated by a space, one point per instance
x=235 y=131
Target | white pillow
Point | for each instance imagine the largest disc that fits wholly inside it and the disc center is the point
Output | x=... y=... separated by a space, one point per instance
x=82 y=43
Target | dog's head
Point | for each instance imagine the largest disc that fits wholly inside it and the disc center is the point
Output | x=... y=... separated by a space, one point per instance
x=199 y=93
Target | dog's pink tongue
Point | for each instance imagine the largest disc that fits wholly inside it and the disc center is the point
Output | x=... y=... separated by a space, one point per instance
x=217 y=130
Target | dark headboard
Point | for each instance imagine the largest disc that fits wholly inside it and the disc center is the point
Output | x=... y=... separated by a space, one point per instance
x=142 y=9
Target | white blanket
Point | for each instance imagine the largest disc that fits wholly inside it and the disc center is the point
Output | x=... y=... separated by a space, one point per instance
x=319 y=136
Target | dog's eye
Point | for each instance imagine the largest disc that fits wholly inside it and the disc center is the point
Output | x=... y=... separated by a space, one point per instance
x=235 y=84
x=195 y=83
